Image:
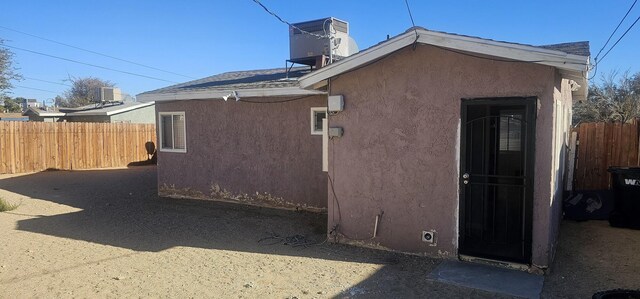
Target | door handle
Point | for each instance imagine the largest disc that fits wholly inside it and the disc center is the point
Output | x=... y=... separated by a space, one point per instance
x=466 y=178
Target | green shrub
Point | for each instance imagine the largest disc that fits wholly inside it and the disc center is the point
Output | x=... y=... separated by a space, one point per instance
x=5 y=206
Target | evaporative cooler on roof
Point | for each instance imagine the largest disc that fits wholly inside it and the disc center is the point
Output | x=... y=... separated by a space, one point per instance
x=305 y=48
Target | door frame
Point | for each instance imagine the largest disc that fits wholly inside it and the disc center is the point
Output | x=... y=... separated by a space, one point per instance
x=530 y=104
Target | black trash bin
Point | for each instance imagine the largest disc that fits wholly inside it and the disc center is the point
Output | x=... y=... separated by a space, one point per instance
x=626 y=189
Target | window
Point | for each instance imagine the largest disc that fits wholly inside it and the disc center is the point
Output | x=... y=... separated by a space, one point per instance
x=173 y=133
x=317 y=115
x=510 y=131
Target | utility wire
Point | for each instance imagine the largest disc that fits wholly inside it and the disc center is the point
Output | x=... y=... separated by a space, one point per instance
x=89 y=64
x=46 y=81
x=616 y=43
x=595 y=71
x=97 y=53
x=413 y=24
x=283 y=21
x=27 y=87
x=615 y=30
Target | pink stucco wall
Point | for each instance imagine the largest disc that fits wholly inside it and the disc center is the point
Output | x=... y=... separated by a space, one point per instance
x=400 y=150
x=244 y=149
x=562 y=127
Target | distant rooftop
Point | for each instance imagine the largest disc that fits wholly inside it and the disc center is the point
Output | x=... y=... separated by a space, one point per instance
x=92 y=109
x=12 y=117
x=106 y=109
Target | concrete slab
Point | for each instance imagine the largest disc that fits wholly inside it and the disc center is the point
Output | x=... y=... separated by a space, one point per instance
x=488 y=278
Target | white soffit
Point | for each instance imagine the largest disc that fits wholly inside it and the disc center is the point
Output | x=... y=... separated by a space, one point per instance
x=218 y=94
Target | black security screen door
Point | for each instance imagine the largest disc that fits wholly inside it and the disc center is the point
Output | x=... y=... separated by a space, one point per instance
x=496 y=178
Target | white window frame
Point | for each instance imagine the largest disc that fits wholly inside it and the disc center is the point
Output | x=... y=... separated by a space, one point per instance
x=160 y=125
x=314 y=110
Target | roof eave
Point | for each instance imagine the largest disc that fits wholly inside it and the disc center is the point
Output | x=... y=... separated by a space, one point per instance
x=358 y=59
x=72 y=114
x=220 y=94
x=581 y=93
x=141 y=105
x=501 y=50
x=43 y=113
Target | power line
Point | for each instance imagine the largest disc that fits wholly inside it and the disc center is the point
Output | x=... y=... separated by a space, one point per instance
x=27 y=87
x=595 y=71
x=46 y=81
x=97 y=53
x=413 y=24
x=283 y=21
x=616 y=43
x=89 y=64
x=615 y=30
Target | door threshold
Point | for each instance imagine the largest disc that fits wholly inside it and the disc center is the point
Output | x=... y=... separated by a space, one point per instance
x=495 y=263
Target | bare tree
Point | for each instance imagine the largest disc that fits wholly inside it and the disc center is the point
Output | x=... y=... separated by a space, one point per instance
x=611 y=101
x=8 y=72
x=83 y=91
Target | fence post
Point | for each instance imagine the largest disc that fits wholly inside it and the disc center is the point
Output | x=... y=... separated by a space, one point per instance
x=571 y=161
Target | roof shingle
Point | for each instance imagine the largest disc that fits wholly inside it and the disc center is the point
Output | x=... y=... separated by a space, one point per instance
x=575 y=48
x=254 y=79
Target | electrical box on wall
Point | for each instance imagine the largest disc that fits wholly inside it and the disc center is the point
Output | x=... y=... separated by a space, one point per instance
x=335 y=132
x=336 y=104
x=429 y=236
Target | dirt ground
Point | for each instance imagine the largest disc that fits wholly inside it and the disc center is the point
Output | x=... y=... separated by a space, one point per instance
x=105 y=233
x=593 y=256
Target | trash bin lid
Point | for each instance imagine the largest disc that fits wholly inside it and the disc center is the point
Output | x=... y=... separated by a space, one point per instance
x=624 y=169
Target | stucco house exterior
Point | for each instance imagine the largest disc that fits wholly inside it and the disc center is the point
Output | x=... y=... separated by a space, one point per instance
x=118 y=112
x=241 y=136
x=29 y=103
x=451 y=145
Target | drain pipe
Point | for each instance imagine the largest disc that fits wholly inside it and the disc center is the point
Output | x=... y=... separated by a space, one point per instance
x=375 y=227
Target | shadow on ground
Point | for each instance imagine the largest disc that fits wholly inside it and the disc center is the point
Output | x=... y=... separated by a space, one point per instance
x=121 y=208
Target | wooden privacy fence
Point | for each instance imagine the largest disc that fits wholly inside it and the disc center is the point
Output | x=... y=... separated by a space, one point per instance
x=37 y=146
x=601 y=145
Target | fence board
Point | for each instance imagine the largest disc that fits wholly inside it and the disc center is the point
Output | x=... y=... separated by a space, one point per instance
x=581 y=152
x=36 y=146
x=632 y=154
x=3 y=148
x=600 y=146
x=602 y=178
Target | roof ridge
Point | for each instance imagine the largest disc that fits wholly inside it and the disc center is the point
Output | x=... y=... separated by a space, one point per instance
x=494 y=40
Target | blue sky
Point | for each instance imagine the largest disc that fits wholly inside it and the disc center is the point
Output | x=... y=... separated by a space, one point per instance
x=202 y=38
